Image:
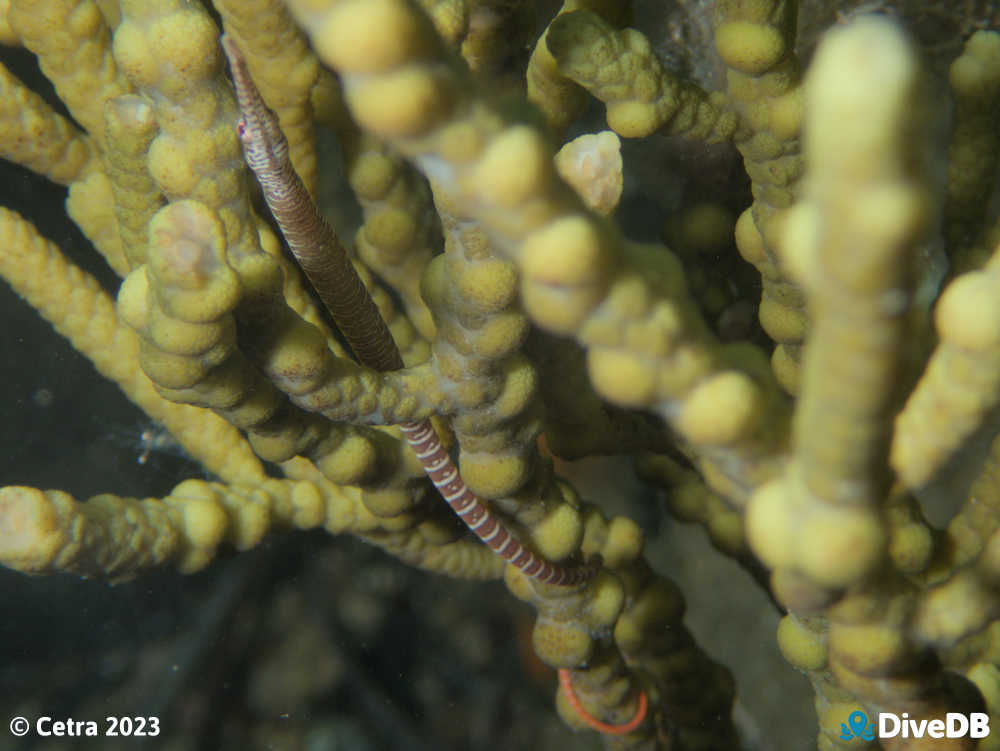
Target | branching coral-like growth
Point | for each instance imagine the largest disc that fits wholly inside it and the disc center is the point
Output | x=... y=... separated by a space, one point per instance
x=495 y=312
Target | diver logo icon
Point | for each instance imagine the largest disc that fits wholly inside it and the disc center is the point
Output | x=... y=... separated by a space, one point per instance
x=860 y=728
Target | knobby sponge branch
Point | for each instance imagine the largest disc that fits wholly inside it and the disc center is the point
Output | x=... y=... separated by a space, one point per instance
x=238 y=363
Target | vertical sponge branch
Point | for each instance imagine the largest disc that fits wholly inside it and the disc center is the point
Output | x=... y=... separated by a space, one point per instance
x=871 y=209
x=756 y=41
x=866 y=207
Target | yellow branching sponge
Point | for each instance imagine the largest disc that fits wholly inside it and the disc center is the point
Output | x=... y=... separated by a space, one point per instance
x=867 y=207
x=473 y=294
x=690 y=500
x=962 y=606
x=169 y=51
x=396 y=239
x=116 y=538
x=975 y=145
x=961 y=384
x=131 y=127
x=182 y=305
x=78 y=309
x=756 y=42
x=642 y=97
x=650 y=648
x=592 y=164
x=35 y=135
x=487 y=33
x=560 y=98
x=542 y=328
x=646 y=345
x=74 y=50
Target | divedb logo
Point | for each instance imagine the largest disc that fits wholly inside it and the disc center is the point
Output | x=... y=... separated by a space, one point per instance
x=890 y=725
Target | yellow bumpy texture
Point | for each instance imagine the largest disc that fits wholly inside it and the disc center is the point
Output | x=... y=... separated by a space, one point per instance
x=866 y=209
x=642 y=97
